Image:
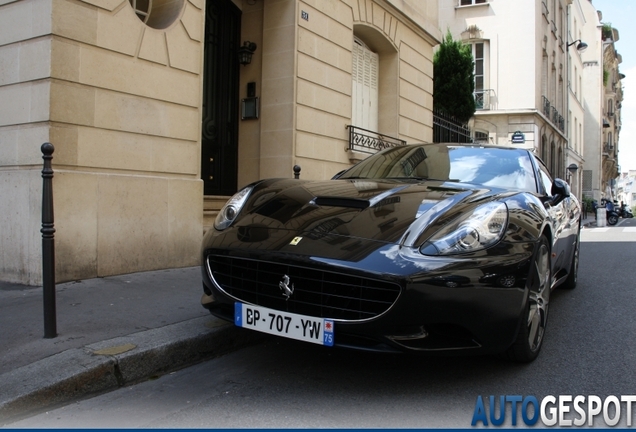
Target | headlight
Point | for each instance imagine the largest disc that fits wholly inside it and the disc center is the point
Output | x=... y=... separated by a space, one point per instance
x=481 y=228
x=231 y=209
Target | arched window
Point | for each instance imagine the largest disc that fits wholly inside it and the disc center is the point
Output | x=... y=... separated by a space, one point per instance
x=544 y=149
x=552 y=158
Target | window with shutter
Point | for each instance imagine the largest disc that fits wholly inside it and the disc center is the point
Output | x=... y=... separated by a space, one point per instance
x=364 y=92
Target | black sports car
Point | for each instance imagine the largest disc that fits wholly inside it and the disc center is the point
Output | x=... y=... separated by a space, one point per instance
x=431 y=248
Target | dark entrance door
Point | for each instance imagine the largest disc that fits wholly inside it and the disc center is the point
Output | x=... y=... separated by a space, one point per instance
x=219 y=141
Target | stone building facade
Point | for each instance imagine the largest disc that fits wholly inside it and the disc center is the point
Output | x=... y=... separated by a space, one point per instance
x=153 y=118
x=521 y=56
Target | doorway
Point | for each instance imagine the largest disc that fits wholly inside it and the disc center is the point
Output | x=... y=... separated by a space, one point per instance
x=219 y=132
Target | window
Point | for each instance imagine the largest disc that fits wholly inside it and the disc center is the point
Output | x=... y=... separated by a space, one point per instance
x=552 y=157
x=560 y=95
x=481 y=101
x=561 y=23
x=552 y=83
x=544 y=74
x=158 y=14
x=576 y=83
x=141 y=8
x=544 y=148
x=471 y=2
x=364 y=93
x=481 y=137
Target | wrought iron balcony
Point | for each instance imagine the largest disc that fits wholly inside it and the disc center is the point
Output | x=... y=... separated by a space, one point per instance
x=546 y=106
x=483 y=99
x=552 y=114
x=366 y=141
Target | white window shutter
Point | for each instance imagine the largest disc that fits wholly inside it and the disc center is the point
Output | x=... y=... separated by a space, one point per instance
x=373 y=93
x=364 y=93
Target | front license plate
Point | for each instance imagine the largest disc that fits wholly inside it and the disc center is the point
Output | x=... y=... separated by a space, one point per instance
x=289 y=325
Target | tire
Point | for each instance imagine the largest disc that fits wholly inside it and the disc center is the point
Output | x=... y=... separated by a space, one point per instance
x=535 y=318
x=570 y=282
x=612 y=220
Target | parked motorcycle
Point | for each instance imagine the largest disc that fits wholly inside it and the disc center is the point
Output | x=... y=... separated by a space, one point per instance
x=627 y=213
x=610 y=213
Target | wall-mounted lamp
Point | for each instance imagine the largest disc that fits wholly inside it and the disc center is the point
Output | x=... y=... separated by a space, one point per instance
x=573 y=168
x=245 y=52
x=582 y=46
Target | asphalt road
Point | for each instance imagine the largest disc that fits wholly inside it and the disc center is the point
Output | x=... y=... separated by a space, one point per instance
x=589 y=349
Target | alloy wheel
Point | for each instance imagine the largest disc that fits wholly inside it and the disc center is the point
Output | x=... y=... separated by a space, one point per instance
x=539 y=298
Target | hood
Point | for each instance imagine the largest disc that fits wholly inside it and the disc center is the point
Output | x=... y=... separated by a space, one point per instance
x=385 y=211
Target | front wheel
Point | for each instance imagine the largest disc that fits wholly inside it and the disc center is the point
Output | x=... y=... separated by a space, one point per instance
x=535 y=318
x=612 y=219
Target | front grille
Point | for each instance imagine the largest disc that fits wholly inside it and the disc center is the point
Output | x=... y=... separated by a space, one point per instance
x=318 y=293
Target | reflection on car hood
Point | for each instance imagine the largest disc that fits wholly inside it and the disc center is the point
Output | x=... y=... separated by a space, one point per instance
x=384 y=211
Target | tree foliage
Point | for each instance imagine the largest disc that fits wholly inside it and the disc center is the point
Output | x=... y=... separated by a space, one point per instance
x=454 y=79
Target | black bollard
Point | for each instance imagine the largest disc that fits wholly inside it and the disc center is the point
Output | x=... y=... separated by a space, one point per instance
x=296 y=171
x=48 y=244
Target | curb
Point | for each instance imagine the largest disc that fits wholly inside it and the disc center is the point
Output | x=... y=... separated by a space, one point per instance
x=114 y=363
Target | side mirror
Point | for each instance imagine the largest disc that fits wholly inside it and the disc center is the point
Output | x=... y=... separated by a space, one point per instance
x=560 y=191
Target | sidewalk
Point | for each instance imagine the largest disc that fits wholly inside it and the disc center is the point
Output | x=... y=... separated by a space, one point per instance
x=112 y=331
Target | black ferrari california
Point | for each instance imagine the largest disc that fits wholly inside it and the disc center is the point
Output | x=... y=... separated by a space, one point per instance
x=431 y=248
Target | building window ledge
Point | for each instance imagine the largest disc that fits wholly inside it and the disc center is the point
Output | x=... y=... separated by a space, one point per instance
x=486 y=3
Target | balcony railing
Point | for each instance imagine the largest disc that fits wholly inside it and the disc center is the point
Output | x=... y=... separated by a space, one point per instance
x=484 y=98
x=366 y=141
x=546 y=106
x=552 y=114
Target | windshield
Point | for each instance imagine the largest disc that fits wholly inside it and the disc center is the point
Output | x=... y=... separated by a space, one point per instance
x=493 y=167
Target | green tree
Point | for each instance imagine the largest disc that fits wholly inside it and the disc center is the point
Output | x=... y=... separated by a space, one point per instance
x=454 y=79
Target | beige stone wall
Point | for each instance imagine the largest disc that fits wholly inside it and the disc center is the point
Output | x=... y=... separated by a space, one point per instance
x=121 y=103
x=306 y=80
x=252 y=23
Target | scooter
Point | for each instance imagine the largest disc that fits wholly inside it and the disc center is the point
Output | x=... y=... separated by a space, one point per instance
x=627 y=213
x=612 y=217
